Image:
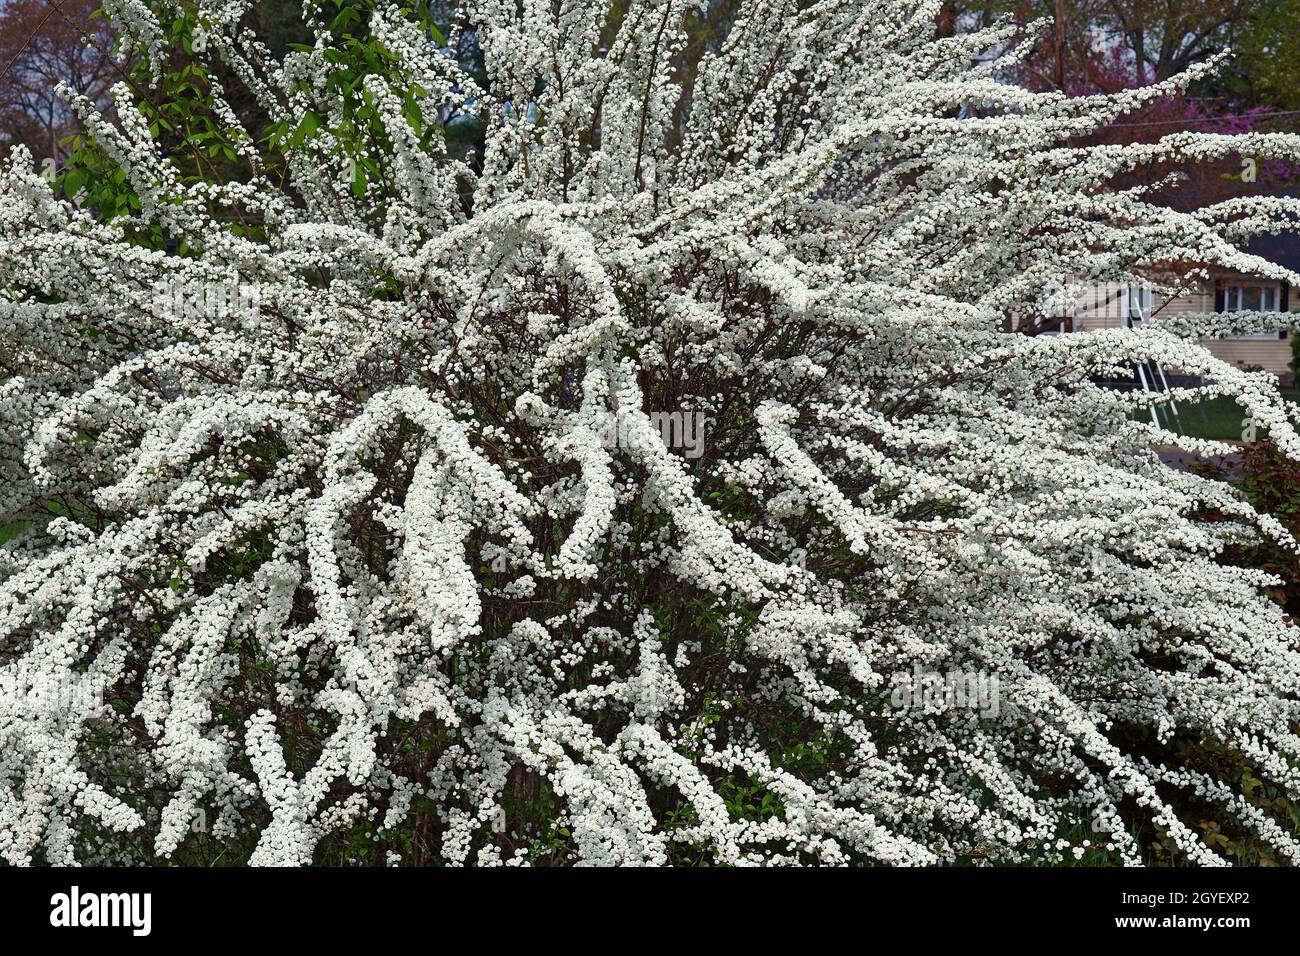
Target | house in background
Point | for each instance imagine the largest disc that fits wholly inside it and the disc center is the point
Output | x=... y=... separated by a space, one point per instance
x=1234 y=292
x=1122 y=305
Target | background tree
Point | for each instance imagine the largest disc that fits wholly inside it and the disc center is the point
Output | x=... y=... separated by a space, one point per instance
x=41 y=46
x=1087 y=47
x=1267 y=40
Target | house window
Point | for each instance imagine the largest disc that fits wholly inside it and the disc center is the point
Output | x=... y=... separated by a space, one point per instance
x=1139 y=301
x=1252 y=298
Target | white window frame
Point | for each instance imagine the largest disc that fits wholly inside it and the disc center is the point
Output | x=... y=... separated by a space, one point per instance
x=1270 y=294
x=1141 y=300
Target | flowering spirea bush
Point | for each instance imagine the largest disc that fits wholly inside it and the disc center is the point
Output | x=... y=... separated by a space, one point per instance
x=362 y=577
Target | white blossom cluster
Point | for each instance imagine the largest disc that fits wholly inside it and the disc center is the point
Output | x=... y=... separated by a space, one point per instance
x=355 y=559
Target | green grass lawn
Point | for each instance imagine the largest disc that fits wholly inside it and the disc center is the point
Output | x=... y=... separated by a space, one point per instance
x=1220 y=418
x=1214 y=418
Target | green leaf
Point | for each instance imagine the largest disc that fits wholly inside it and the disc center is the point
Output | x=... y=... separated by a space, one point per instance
x=307 y=127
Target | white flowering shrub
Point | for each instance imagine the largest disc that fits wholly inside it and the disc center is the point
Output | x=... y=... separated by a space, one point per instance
x=358 y=573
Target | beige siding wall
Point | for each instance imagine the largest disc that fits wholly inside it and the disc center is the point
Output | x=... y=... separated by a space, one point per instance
x=1101 y=307
x=1273 y=355
x=1188 y=302
x=1104 y=306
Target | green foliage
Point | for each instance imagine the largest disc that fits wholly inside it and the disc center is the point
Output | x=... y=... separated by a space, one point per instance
x=1266 y=42
x=1272 y=484
x=178 y=110
x=358 y=135
x=204 y=148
